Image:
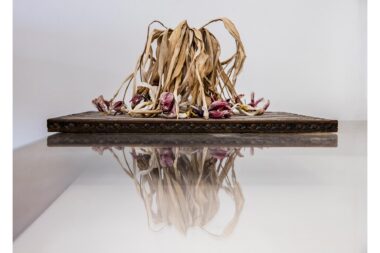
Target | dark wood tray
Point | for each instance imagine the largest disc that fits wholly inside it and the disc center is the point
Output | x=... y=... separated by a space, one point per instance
x=270 y=122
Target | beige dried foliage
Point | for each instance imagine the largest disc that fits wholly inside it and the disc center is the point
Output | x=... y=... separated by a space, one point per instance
x=186 y=62
x=180 y=186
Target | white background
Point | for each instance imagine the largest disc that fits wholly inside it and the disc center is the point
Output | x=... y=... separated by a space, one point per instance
x=308 y=57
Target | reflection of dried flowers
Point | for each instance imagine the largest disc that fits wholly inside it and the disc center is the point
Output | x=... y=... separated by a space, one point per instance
x=99 y=149
x=180 y=75
x=180 y=186
x=166 y=157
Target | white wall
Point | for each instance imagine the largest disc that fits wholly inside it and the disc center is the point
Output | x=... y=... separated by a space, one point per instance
x=308 y=57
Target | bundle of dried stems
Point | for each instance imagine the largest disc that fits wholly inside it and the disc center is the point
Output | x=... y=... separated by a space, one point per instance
x=180 y=186
x=180 y=75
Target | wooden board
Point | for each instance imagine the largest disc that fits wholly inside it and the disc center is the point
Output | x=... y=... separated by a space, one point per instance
x=193 y=140
x=270 y=122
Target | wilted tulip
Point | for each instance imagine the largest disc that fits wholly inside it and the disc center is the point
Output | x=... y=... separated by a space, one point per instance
x=219 y=106
x=108 y=106
x=116 y=107
x=136 y=100
x=101 y=104
x=262 y=110
x=166 y=101
x=220 y=114
x=220 y=109
x=254 y=102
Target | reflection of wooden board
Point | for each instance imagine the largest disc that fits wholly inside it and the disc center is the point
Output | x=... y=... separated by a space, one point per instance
x=193 y=140
x=270 y=122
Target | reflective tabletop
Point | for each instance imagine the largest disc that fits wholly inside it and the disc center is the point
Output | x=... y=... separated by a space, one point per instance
x=192 y=193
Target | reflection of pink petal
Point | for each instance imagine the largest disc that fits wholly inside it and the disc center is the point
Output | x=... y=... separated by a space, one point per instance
x=99 y=149
x=219 y=153
x=166 y=157
x=166 y=101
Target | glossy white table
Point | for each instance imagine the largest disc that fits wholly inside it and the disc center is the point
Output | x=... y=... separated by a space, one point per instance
x=291 y=199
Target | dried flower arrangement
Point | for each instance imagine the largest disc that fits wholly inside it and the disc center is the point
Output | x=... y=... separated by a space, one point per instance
x=180 y=75
x=180 y=186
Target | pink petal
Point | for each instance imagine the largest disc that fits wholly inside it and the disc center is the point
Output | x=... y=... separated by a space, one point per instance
x=219 y=105
x=166 y=101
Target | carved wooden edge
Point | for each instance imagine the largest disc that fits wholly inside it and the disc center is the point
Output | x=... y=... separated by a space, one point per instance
x=82 y=126
x=274 y=122
x=194 y=140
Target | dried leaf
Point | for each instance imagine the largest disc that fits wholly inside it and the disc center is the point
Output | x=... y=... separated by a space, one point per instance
x=185 y=62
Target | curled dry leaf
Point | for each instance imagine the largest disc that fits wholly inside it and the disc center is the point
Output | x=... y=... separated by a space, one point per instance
x=182 y=66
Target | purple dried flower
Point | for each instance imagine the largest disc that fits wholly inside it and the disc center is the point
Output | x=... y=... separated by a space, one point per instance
x=166 y=101
x=108 y=106
x=219 y=106
x=117 y=106
x=261 y=111
x=220 y=109
x=254 y=102
x=101 y=104
x=136 y=99
x=252 y=97
x=257 y=102
x=266 y=105
x=197 y=111
x=220 y=114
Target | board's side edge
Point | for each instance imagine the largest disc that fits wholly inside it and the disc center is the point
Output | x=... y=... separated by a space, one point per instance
x=88 y=126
